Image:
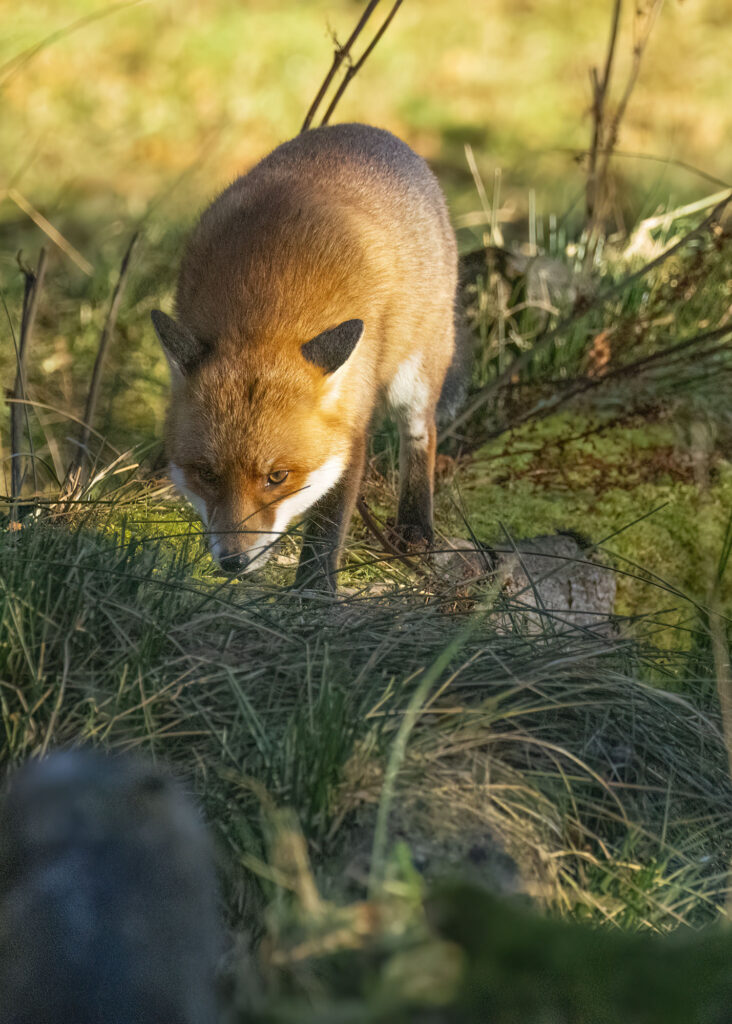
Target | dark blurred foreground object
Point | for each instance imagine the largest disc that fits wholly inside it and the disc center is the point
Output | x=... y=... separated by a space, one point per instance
x=108 y=901
x=525 y=969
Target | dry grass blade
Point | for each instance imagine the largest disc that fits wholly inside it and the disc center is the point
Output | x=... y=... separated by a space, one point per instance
x=50 y=231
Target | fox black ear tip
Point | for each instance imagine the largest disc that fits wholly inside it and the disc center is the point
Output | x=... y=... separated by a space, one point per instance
x=165 y=326
x=330 y=349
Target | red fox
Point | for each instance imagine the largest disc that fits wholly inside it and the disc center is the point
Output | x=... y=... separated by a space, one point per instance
x=320 y=281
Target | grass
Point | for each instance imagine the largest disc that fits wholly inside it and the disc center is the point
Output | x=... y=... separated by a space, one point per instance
x=351 y=753
x=548 y=760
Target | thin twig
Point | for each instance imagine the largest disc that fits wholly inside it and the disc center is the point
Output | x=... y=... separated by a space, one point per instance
x=75 y=473
x=339 y=55
x=613 y=132
x=599 y=95
x=638 y=52
x=33 y=286
x=667 y=358
x=578 y=155
x=355 y=68
x=721 y=658
x=373 y=527
x=606 y=140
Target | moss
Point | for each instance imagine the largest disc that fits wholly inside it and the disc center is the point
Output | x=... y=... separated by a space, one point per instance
x=633 y=489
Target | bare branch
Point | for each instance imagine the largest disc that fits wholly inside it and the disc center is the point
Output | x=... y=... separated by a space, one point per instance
x=33 y=286
x=340 y=54
x=605 y=135
x=638 y=52
x=75 y=473
x=373 y=527
x=343 y=53
x=599 y=95
x=354 y=68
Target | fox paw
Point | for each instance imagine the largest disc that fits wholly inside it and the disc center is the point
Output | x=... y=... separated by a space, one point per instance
x=410 y=538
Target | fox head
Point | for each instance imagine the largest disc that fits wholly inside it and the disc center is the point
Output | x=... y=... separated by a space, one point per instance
x=256 y=434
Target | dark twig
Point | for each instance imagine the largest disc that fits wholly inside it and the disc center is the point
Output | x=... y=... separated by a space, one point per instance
x=599 y=95
x=485 y=394
x=373 y=527
x=33 y=286
x=343 y=53
x=606 y=132
x=674 y=355
x=580 y=154
x=75 y=473
x=354 y=68
x=339 y=55
x=638 y=51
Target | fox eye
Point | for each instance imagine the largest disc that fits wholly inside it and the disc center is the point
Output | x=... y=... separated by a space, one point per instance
x=277 y=477
x=207 y=475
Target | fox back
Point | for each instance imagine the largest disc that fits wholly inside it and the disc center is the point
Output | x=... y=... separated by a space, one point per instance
x=316 y=283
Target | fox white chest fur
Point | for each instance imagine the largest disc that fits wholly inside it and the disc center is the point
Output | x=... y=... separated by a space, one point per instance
x=316 y=283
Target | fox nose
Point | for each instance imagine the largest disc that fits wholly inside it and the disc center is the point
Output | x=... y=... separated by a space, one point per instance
x=235 y=563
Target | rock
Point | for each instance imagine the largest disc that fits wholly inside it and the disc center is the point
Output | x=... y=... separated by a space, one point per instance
x=559 y=578
x=458 y=560
x=550 y=581
x=437 y=850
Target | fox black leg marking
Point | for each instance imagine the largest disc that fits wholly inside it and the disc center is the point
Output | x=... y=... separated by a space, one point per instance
x=326 y=526
x=416 y=482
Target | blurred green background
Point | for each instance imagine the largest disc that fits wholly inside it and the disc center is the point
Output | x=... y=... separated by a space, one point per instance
x=105 y=119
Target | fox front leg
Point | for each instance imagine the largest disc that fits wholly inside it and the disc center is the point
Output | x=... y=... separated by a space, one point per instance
x=326 y=526
x=417 y=443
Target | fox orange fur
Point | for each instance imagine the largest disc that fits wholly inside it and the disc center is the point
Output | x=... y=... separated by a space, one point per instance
x=320 y=281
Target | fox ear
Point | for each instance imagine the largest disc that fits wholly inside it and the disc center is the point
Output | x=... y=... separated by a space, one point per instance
x=184 y=351
x=330 y=349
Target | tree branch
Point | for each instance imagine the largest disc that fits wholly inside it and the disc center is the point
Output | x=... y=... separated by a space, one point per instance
x=354 y=68
x=339 y=55
x=343 y=53
x=599 y=95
